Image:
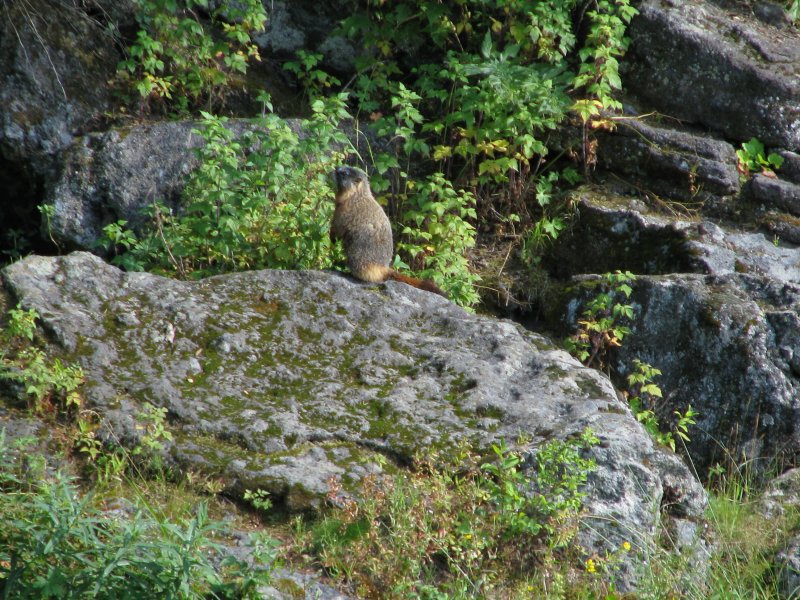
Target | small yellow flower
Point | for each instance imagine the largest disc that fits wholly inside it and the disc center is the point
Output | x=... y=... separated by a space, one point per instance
x=590 y=566
x=626 y=546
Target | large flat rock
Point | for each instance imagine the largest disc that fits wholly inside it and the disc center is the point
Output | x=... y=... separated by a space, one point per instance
x=280 y=380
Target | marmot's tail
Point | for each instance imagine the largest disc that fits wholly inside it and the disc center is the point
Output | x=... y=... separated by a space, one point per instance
x=423 y=284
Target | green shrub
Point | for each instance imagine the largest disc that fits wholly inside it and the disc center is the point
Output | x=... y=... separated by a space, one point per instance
x=314 y=80
x=451 y=528
x=467 y=128
x=178 y=62
x=259 y=200
x=50 y=386
x=437 y=235
x=469 y=91
x=493 y=77
x=55 y=543
x=753 y=158
x=793 y=7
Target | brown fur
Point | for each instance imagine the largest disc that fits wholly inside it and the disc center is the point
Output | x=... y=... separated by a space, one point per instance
x=365 y=231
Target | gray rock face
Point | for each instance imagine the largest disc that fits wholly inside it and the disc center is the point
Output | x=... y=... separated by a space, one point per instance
x=619 y=232
x=280 y=380
x=291 y=585
x=774 y=193
x=52 y=57
x=119 y=173
x=728 y=345
x=116 y=175
x=790 y=169
x=720 y=252
x=703 y=63
x=780 y=497
x=671 y=163
x=782 y=227
x=717 y=311
x=54 y=65
x=787 y=566
x=309 y=26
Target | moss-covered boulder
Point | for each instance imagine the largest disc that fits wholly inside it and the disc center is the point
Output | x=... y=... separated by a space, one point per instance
x=281 y=380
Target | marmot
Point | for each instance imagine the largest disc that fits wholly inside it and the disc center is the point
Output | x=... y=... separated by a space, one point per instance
x=365 y=231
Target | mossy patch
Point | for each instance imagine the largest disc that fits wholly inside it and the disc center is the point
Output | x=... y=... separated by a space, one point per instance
x=590 y=387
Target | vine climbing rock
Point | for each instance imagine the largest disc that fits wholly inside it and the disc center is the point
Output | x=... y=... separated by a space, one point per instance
x=280 y=380
x=716 y=310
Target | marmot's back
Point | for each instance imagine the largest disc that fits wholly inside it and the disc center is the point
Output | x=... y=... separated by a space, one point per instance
x=363 y=227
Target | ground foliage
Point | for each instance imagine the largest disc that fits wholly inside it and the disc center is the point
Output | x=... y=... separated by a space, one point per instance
x=457 y=525
x=58 y=542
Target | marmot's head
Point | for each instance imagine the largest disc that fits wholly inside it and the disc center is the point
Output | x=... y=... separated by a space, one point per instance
x=349 y=177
